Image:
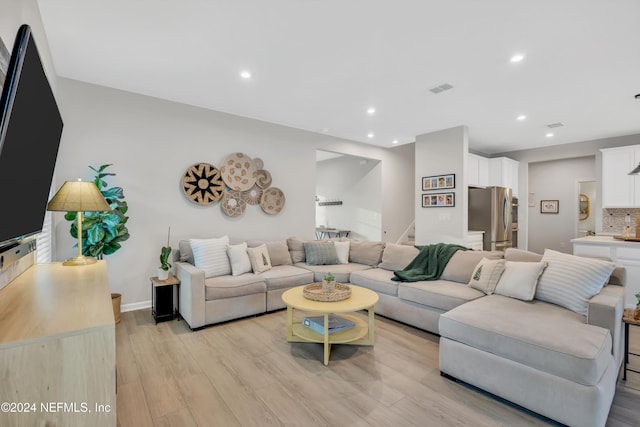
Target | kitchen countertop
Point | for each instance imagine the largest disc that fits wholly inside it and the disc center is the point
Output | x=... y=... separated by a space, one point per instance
x=604 y=241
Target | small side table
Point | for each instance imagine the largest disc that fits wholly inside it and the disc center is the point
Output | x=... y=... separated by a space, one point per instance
x=162 y=306
x=628 y=319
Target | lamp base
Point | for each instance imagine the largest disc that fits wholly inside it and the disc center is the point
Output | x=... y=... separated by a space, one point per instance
x=79 y=260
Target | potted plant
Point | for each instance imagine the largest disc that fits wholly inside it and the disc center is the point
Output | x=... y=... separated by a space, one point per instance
x=637 y=313
x=163 y=270
x=328 y=283
x=102 y=232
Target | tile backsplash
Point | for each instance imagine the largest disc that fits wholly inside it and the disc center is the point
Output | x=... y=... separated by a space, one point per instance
x=613 y=220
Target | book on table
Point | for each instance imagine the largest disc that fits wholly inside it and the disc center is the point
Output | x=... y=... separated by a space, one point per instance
x=336 y=323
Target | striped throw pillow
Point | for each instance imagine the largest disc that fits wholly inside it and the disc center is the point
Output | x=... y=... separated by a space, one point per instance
x=571 y=281
x=210 y=255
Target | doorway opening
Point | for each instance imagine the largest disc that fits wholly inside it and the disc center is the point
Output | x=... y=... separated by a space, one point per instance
x=348 y=196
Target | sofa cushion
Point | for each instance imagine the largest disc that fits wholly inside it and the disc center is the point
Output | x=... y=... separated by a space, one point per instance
x=279 y=253
x=486 y=275
x=342 y=272
x=537 y=334
x=440 y=294
x=186 y=254
x=320 y=253
x=462 y=264
x=342 y=251
x=286 y=276
x=296 y=249
x=239 y=259
x=396 y=257
x=376 y=279
x=520 y=279
x=366 y=252
x=210 y=255
x=259 y=257
x=570 y=281
x=233 y=286
x=514 y=254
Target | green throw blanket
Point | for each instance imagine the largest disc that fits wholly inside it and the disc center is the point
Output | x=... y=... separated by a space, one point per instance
x=429 y=263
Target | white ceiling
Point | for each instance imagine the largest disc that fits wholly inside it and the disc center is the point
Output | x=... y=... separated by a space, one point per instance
x=319 y=64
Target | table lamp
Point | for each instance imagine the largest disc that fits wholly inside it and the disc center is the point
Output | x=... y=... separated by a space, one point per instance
x=78 y=196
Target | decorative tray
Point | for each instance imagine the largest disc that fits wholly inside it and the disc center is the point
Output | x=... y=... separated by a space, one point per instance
x=314 y=292
x=627 y=238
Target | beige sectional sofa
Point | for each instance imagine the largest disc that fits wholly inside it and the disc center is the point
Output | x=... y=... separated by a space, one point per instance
x=542 y=356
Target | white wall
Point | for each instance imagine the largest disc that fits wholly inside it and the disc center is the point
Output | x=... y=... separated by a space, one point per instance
x=556 y=180
x=440 y=153
x=357 y=183
x=151 y=143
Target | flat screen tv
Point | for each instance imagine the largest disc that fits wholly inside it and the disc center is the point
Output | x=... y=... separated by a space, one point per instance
x=30 y=130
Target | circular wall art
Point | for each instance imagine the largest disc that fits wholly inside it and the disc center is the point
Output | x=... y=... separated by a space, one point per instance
x=232 y=203
x=238 y=172
x=252 y=196
x=272 y=200
x=258 y=163
x=202 y=184
x=263 y=178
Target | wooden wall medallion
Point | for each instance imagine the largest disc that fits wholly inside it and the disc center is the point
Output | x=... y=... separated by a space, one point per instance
x=202 y=184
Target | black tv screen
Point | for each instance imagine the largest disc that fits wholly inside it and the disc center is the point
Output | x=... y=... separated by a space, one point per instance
x=30 y=130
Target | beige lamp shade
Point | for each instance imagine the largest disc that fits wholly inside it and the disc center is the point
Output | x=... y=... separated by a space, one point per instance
x=78 y=196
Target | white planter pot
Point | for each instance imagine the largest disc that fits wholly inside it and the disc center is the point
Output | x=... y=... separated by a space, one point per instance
x=163 y=274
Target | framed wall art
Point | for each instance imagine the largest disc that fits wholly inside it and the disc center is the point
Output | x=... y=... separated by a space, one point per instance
x=439 y=182
x=439 y=200
x=549 y=206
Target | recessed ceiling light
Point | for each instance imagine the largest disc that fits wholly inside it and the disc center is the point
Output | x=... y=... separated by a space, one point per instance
x=521 y=117
x=245 y=74
x=325 y=130
x=371 y=111
x=395 y=141
x=549 y=135
x=517 y=58
x=370 y=135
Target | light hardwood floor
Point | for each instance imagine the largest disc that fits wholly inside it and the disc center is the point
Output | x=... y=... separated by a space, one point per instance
x=245 y=373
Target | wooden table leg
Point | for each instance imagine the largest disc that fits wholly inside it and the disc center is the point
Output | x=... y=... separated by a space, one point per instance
x=371 y=323
x=289 y=323
x=327 y=346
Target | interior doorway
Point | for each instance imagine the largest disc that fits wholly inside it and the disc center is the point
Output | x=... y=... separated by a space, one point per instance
x=348 y=196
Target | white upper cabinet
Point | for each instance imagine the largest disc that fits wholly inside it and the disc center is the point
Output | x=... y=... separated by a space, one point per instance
x=478 y=171
x=503 y=172
x=619 y=189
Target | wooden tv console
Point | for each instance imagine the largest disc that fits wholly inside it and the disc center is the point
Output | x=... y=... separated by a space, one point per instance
x=57 y=348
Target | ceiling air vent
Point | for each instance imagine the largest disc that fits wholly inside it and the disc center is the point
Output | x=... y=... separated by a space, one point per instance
x=441 y=88
x=555 y=125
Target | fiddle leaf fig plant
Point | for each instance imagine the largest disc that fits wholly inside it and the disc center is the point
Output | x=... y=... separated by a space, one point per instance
x=164 y=258
x=102 y=232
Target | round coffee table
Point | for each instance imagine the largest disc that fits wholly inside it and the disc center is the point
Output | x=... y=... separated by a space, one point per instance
x=360 y=334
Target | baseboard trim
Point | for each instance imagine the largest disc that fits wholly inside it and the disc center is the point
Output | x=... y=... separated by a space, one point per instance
x=135 y=306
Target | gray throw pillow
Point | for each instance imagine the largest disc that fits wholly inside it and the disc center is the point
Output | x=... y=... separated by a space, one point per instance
x=321 y=253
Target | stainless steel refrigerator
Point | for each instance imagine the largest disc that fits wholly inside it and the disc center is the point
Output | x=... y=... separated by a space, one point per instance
x=490 y=211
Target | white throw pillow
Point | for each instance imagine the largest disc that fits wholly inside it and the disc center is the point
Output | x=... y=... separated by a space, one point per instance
x=239 y=259
x=571 y=281
x=210 y=255
x=342 y=249
x=520 y=279
x=259 y=257
x=486 y=275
